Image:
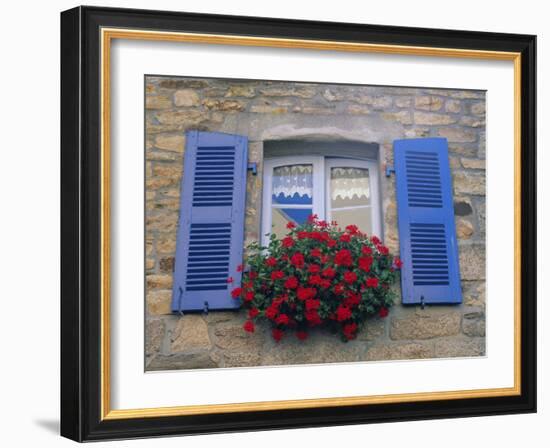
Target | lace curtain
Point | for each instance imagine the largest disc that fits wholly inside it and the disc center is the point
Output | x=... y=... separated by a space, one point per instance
x=349 y=182
x=293 y=179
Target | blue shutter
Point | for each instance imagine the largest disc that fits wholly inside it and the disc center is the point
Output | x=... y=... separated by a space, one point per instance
x=427 y=235
x=211 y=224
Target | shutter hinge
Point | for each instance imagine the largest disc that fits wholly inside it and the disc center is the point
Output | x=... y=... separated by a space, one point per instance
x=389 y=170
x=205 y=309
x=253 y=166
x=421 y=302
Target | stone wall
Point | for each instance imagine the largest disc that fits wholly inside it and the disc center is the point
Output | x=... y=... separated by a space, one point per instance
x=268 y=111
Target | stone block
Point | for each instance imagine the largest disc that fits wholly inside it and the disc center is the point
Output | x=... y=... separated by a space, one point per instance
x=469 y=183
x=395 y=351
x=459 y=347
x=158 y=302
x=430 y=103
x=154 y=333
x=186 y=98
x=190 y=334
x=425 y=327
x=458 y=135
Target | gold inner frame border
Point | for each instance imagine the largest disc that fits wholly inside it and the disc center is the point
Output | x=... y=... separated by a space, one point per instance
x=107 y=36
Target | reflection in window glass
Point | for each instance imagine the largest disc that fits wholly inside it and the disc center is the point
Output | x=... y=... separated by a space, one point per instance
x=361 y=217
x=281 y=216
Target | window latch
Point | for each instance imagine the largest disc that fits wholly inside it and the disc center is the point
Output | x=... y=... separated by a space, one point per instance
x=389 y=170
x=253 y=166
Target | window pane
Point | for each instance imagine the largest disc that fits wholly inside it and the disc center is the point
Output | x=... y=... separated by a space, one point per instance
x=349 y=187
x=292 y=184
x=361 y=217
x=281 y=216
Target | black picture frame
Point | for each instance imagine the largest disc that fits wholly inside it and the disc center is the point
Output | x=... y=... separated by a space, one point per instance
x=81 y=381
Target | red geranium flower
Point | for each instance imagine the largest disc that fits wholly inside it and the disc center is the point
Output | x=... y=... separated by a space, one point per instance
x=366 y=250
x=383 y=312
x=277 y=275
x=297 y=260
x=290 y=225
x=350 y=277
x=313 y=318
x=236 y=293
x=365 y=263
x=301 y=334
x=312 y=218
x=288 y=241
x=397 y=262
x=229 y=279
x=291 y=283
x=314 y=280
x=383 y=250
x=345 y=238
x=352 y=299
x=312 y=304
x=271 y=261
x=277 y=334
x=331 y=243
x=324 y=283
x=253 y=312
x=315 y=252
x=352 y=228
x=305 y=293
x=375 y=240
x=349 y=330
x=249 y=326
x=313 y=268
x=282 y=319
x=249 y=296
x=339 y=288
x=328 y=272
x=343 y=313
x=252 y=275
x=302 y=235
x=240 y=268
x=343 y=257
x=372 y=282
x=271 y=312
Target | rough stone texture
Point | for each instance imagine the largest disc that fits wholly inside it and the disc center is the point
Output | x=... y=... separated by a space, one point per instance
x=186 y=98
x=154 y=336
x=459 y=347
x=425 y=327
x=191 y=333
x=182 y=361
x=472 y=262
x=473 y=324
x=464 y=229
x=407 y=350
x=269 y=110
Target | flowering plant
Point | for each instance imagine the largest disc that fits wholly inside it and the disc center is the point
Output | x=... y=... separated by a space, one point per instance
x=317 y=275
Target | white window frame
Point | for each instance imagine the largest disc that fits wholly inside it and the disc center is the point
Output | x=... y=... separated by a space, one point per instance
x=321 y=187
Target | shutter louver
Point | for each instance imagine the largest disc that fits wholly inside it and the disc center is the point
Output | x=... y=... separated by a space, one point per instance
x=427 y=234
x=211 y=225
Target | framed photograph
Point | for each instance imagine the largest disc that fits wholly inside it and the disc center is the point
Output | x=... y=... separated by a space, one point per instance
x=272 y=224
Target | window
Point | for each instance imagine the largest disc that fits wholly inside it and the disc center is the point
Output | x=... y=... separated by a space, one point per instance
x=335 y=189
